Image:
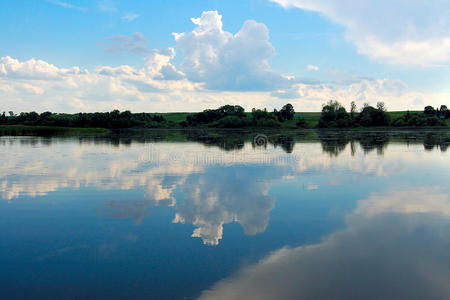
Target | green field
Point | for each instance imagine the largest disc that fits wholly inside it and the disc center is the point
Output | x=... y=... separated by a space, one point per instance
x=175 y=117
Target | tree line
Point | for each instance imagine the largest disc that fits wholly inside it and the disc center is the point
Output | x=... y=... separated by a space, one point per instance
x=334 y=115
x=234 y=116
x=114 y=119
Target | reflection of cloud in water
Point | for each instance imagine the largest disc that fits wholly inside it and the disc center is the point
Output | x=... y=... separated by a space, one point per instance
x=416 y=200
x=396 y=252
x=217 y=186
x=39 y=168
x=224 y=195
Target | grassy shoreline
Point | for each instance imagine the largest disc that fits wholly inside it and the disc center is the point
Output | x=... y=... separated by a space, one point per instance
x=25 y=130
x=311 y=118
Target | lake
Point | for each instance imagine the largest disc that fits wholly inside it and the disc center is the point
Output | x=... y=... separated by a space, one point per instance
x=226 y=215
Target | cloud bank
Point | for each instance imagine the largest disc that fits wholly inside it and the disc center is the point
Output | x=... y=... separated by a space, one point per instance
x=216 y=68
x=395 y=31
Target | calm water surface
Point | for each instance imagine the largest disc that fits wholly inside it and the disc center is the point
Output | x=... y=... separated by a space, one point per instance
x=226 y=216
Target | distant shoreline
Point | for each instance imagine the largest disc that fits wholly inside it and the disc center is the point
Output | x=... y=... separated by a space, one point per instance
x=333 y=117
x=24 y=130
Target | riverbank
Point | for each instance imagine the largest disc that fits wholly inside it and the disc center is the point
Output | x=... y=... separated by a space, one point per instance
x=311 y=118
x=23 y=130
x=177 y=120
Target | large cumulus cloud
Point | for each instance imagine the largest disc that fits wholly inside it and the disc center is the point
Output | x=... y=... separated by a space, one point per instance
x=223 y=61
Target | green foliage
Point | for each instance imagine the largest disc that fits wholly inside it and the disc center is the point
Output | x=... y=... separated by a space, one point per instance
x=268 y=122
x=353 y=109
x=429 y=110
x=418 y=120
x=286 y=113
x=213 y=115
x=114 y=119
x=334 y=115
x=231 y=122
x=444 y=113
x=233 y=116
x=371 y=116
x=3 y=118
x=26 y=130
x=301 y=123
x=262 y=118
x=258 y=114
x=381 y=106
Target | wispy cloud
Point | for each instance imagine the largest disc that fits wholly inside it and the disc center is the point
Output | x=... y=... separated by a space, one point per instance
x=130 y=17
x=121 y=43
x=66 y=5
x=400 y=32
x=313 y=68
x=107 y=5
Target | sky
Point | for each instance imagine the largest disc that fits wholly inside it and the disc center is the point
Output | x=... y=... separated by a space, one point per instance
x=162 y=56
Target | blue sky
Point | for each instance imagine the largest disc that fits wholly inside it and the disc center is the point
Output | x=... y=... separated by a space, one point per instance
x=100 y=55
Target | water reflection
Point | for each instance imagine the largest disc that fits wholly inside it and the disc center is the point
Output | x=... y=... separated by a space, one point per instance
x=220 y=196
x=223 y=177
x=396 y=246
x=309 y=214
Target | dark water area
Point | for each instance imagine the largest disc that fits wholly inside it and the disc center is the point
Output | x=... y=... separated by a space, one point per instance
x=226 y=215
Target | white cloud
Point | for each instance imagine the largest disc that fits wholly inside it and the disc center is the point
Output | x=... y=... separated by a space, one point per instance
x=34 y=69
x=66 y=4
x=130 y=17
x=160 y=86
x=396 y=31
x=225 y=61
x=313 y=68
x=395 y=93
x=218 y=68
x=38 y=85
x=158 y=65
x=107 y=6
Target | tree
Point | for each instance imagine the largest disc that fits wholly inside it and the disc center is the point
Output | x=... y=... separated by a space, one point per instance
x=258 y=114
x=287 y=112
x=353 y=108
x=381 y=106
x=334 y=115
x=444 y=112
x=3 y=118
x=371 y=116
x=429 y=110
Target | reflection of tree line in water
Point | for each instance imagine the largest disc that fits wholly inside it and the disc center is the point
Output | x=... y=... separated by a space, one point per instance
x=332 y=142
x=335 y=144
